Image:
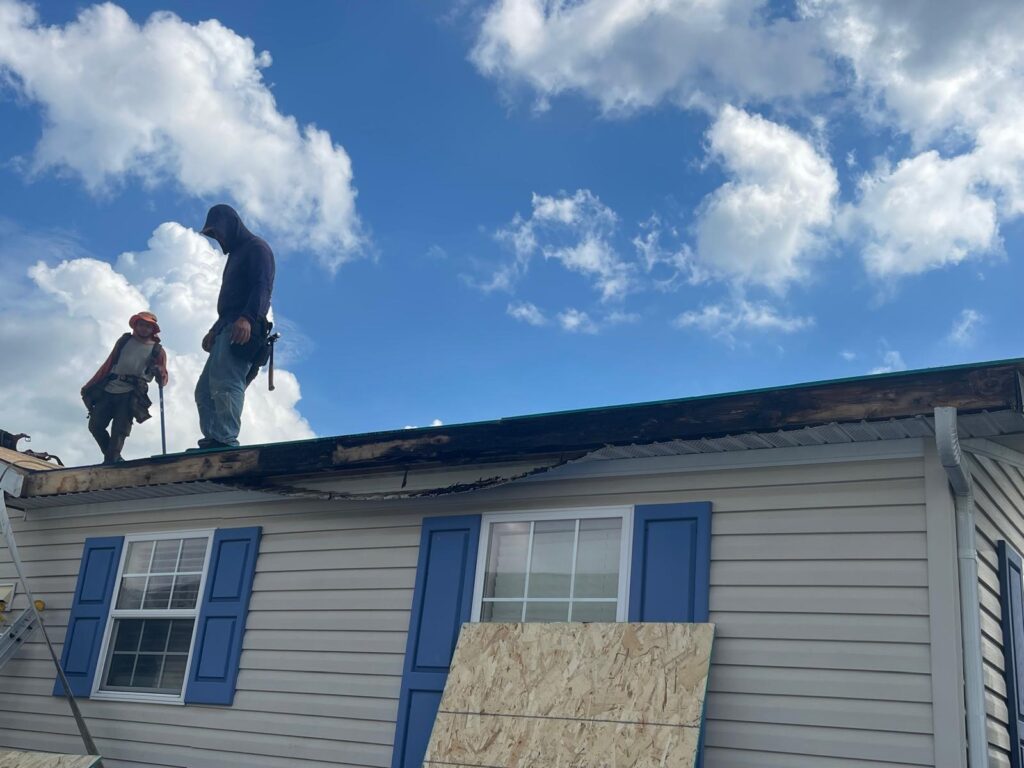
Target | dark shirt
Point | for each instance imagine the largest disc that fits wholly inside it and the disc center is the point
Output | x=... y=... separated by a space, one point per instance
x=248 y=279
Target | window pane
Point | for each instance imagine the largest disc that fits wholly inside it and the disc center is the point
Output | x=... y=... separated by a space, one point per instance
x=593 y=611
x=186 y=590
x=174 y=672
x=510 y=611
x=130 y=595
x=547 y=611
x=121 y=666
x=158 y=593
x=506 y=560
x=165 y=559
x=180 y=636
x=127 y=636
x=138 y=557
x=154 y=635
x=147 y=670
x=193 y=553
x=551 y=561
x=597 y=558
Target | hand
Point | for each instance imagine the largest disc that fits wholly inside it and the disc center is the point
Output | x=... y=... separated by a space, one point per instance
x=208 y=341
x=241 y=331
x=161 y=376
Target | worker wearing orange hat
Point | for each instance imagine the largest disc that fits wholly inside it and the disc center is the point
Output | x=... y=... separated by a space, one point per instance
x=118 y=392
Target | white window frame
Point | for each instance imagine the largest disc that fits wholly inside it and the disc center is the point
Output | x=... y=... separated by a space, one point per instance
x=625 y=513
x=141 y=613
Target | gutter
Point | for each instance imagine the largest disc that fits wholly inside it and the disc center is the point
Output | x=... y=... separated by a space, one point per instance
x=947 y=442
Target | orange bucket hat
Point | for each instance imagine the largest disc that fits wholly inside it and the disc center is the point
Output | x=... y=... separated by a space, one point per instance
x=148 y=317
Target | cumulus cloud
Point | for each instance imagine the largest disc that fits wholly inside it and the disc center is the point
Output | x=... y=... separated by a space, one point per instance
x=925 y=213
x=950 y=76
x=65 y=317
x=169 y=100
x=764 y=226
x=724 y=321
x=630 y=54
x=527 y=313
x=574 y=230
x=965 y=327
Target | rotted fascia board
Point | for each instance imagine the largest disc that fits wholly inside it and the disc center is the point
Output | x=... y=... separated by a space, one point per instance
x=570 y=434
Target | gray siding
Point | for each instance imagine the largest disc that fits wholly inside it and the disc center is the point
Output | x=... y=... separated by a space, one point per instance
x=819 y=587
x=999 y=509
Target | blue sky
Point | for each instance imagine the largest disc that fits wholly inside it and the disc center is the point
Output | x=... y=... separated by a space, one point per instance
x=891 y=204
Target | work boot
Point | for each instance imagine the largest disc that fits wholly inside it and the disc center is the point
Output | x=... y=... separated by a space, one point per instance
x=113 y=454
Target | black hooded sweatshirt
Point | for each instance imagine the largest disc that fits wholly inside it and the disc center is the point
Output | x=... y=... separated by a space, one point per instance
x=249 y=273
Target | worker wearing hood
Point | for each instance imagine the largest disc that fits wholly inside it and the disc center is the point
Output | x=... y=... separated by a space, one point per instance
x=241 y=328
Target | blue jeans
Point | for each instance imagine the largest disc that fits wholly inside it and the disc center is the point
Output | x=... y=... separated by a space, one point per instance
x=220 y=393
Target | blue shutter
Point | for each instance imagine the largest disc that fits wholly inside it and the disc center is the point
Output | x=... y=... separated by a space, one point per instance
x=89 y=611
x=671 y=562
x=211 y=679
x=671 y=571
x=1010 y=599
x=441 y=603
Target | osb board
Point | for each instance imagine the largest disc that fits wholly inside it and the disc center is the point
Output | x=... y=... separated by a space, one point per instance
x=574 y=696
x=639 y=673
x=46 y=760
x=489 y=740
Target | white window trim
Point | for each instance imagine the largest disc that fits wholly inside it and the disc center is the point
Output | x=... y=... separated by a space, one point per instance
x=569 y=513
x=101 y=663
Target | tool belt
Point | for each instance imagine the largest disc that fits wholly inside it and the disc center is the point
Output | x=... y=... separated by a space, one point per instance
x=259 y=350
x=125 y=377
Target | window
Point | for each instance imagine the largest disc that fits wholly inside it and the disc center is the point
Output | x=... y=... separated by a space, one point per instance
x=553 y=566
x=152 y=622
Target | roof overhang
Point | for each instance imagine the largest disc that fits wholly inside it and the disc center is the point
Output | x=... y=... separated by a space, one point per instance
x=885 y=407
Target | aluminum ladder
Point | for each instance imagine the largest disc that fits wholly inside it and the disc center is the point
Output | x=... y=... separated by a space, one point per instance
x=16 y=634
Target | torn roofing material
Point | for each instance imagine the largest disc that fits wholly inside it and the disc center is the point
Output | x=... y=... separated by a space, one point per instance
x=558 y=437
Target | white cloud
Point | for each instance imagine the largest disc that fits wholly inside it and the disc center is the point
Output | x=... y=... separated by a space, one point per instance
x=186 y=102
x=892 y=361
x=923 y=214
x=848 y=355
x=576 y=231
x=765 y=226
x=630 y=54
x=527 y=313
x=965 y=327
x=576 y=321
x=61 y=324
x=724 y=321
x=950 y=76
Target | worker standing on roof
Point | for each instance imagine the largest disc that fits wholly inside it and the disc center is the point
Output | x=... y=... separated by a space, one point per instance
x=119 y=391
x=237 y=340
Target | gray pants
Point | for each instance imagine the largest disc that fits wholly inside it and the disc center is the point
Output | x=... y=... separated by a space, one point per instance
x=115 y=411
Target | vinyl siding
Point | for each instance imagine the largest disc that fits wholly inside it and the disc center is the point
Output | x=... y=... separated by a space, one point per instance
x=819 y=588
x=999 y=511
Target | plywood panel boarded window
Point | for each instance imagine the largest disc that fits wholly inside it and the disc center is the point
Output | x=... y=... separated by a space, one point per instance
x=574 y=695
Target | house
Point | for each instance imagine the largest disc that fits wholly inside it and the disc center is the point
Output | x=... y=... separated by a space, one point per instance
x=296 y=604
